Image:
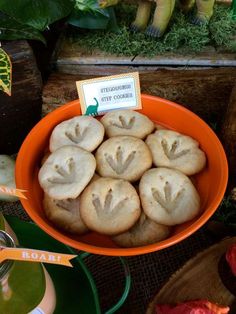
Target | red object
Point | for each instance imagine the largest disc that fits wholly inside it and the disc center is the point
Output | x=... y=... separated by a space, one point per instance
x=231 y=258
x=193 y=307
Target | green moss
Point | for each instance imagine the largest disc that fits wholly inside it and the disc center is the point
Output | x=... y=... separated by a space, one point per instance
x=223 y=29
x=181 y=36
x=226 y=213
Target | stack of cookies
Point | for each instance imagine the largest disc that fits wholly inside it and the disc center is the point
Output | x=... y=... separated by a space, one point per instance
x=120 y=176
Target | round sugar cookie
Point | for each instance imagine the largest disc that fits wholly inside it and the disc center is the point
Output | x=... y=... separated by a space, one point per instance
x=82 y=131
x=123 y=157
x=168 y=196
x=66 y=172
x=7 y=177
x=127 y=122
x=110 y=206
x=65 y=214
x=144 y=232
x=174 y=150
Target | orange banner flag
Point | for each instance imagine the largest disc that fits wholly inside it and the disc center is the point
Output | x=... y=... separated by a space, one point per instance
x=30 y=255
x=12 y=191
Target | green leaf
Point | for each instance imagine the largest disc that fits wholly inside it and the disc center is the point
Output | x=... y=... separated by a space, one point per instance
x=89 y=20
x=10 y=29
x=90 y=6
x=112 y=24
x=5 y=72
x=233 y=7
x=86 y=5
x=37 y=13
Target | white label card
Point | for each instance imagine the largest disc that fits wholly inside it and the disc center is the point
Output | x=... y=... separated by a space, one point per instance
x=100 y=95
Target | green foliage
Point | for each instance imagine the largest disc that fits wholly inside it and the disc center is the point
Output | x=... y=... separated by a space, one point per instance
x=182 y=36
x=226 y=213
x=27 y=19
x=37 y=13
x=223 y=28
x=89 y=20
x=5 y=72
x=86 y=5
x=10 y=29
x=88 y=14
x=233 y=6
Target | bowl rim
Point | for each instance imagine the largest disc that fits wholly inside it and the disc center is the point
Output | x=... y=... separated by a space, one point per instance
x=197 y=224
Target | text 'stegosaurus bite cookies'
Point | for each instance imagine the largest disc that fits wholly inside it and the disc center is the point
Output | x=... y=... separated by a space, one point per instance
x=168 y=196
x=123 y=157
x=82 y=131
x=110 y=206
x=66 y=172
x=127 y=122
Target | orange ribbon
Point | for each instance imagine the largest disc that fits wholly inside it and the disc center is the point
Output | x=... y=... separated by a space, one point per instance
x=22 y=254
x=12 y=191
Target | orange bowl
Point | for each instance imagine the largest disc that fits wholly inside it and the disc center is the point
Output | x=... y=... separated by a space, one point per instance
x=210 y=183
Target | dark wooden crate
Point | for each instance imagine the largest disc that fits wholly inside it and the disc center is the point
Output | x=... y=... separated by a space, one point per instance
x=201 y=82
x=21 y=111
x=204 y=91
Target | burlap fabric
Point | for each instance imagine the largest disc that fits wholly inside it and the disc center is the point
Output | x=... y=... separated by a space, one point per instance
x=148 y=272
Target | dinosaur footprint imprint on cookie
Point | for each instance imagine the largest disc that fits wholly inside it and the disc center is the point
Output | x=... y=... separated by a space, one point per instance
x=66 y=173
x=81 y=131
x=171 y=152
x=123 y=124
x=169 y=202
x=107 y=208
x=78 y=135
x=177 y=151
x=65 y=204
x=118 y=164
x=168 y=196
x=123 y=157
x=127 y=122
x=65 y=214
x=110 y=206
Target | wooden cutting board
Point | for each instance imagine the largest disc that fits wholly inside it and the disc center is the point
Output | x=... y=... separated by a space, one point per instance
x=197 y=279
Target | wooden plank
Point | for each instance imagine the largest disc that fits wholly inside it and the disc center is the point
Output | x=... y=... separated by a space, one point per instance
x=22 y=110
x=71 y=55
x=204 y=91
x=228 y=135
